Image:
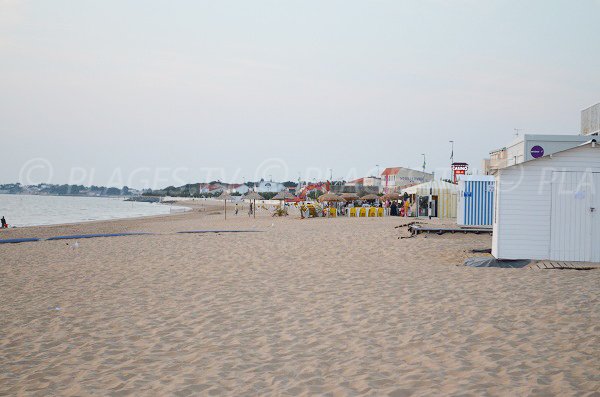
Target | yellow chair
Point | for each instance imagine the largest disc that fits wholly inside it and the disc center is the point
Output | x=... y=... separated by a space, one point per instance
x=380 y=212
x=352 y=212
x=363 y=212
x=332 y=212
x=372 y=212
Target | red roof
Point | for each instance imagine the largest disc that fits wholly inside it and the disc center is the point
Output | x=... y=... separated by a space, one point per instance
x=358 y=181
x=391 y=171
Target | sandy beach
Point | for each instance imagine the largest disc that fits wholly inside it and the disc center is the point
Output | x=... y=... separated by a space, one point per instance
x=338 y=307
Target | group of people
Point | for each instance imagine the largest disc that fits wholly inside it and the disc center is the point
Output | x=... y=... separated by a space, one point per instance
x=396 y=208
x=392 y=208
x=250 y=209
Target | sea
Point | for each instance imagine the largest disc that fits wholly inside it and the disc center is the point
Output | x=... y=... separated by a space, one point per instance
x=33 y=210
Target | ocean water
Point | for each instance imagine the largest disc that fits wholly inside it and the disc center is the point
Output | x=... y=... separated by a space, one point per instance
x=24 y=210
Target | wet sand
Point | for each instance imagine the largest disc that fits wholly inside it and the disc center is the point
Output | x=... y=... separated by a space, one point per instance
x=305 y=307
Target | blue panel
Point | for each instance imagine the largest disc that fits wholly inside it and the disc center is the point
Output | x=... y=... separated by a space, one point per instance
x=17 y=240
x=81 y=236
x=478 y=203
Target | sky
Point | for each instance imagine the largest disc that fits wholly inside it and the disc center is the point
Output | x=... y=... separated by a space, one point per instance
x=156 y=93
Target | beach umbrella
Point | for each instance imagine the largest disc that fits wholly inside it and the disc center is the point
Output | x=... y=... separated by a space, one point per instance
x=329 y=197
x=391 y=196
x=370 y=197
x=253 y=196
x=225 y=196
x=350 y=196
x=282 y=196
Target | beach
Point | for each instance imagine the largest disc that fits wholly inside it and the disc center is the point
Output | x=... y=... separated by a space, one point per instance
x=336 y=307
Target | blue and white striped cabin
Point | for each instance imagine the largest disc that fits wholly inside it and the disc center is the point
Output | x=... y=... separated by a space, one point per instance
x=475 y=200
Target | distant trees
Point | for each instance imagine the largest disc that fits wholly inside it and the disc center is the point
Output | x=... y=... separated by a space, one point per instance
x=314 y=194
x=11 y=188
x=113 y=191
x=268 y=195
x=65 y=190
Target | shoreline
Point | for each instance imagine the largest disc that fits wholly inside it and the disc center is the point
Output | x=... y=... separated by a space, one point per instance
x=194 y=211
x=177 y=204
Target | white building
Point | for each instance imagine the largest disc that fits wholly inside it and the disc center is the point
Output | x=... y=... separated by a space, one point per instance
x=395 y=178
x=531 y=146
x=370 y=181
x=238 y=188
x=549 y=208
x=590 y=120
x=269 y=187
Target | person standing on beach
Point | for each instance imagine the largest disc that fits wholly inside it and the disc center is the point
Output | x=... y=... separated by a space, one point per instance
x=4 y=225
x=236 y=209
x=394 y=209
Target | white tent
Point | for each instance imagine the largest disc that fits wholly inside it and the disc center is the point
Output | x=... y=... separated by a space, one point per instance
x=445 y=195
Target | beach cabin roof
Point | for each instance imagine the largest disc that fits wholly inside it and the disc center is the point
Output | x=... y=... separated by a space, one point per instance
x=476 y=178
x=422 y=189
x=591 y=142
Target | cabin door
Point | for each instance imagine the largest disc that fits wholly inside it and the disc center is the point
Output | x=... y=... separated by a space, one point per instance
x=595 y=214
x=571 y=216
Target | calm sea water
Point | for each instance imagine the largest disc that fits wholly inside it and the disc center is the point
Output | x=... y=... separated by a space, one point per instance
x=23 y=210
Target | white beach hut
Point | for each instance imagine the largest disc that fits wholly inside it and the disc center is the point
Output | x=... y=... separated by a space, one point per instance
x=444 y=196
x=475 y=205
x=549 y=208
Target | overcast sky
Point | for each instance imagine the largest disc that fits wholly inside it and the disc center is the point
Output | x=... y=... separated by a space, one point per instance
x=151 y=93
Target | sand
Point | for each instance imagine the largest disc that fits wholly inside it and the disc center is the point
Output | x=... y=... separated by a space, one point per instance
x=306 y=307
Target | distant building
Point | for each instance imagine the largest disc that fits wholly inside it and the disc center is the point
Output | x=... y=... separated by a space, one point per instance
x=215 y=188
x=496 y=161
x=590 y=120
x=269 y=187
x=532 y=146
x=395 y=178
x=368 y=181
x=529 y=147
x=238 y=188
